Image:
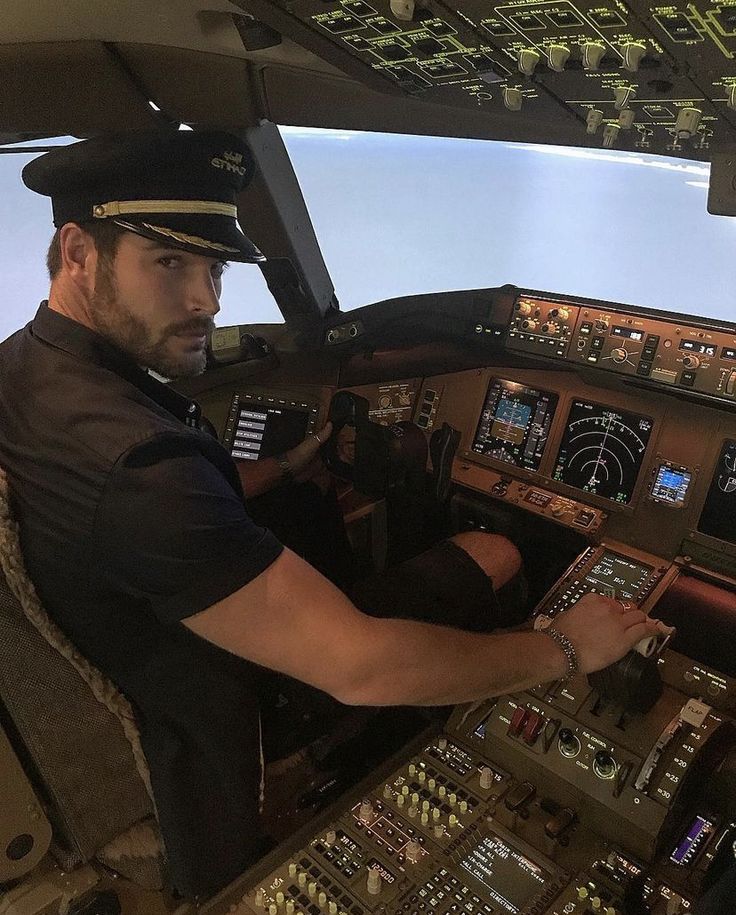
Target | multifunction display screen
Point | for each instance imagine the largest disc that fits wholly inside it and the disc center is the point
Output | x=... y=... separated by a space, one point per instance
x=510 y=878
x=671 y=485
x=718 y=518
x=263 y=430
x=617 y=576
x=514 y=424
x=602 y=450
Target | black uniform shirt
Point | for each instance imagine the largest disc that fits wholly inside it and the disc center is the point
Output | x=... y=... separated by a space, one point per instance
x=131 y=521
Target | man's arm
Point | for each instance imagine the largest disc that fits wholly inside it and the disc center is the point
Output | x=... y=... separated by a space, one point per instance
x=291 y=619
x=261 y=476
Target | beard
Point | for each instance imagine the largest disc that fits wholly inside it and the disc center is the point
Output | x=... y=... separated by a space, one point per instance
x=152 y=350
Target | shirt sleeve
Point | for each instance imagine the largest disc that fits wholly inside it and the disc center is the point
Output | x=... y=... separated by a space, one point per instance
x=171 y=530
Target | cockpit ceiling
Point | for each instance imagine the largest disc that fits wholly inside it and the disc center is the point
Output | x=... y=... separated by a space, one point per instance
x=592 y=73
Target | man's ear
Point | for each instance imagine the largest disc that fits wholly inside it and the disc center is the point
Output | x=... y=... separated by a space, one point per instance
x=78 y=256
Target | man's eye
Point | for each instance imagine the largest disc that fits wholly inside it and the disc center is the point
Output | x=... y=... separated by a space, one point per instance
x=169 y=262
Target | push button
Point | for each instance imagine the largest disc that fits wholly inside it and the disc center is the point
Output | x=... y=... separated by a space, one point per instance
x=688 y=379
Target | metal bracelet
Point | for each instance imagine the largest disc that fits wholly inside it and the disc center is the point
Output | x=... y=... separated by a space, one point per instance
x=567 y=646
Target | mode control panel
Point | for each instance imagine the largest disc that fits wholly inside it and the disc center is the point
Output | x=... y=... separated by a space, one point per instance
x=614 y=338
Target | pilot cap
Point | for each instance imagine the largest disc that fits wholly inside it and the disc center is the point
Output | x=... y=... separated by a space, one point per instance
x=177 y=187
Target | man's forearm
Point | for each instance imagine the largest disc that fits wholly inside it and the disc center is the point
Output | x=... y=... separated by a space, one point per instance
x=401 y=656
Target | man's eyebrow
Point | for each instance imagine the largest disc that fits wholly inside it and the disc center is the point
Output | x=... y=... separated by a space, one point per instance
x=152 y=245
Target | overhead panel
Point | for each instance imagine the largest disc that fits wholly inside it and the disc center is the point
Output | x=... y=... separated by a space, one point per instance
x=627 y=76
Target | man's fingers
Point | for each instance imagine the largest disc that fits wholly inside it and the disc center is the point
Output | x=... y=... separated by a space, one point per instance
x=640 y=631
x=633 y=618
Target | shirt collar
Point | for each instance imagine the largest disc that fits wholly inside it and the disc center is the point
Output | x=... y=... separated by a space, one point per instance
x=74 y=338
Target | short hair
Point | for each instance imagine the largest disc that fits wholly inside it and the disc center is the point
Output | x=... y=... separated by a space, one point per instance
x=105 y=234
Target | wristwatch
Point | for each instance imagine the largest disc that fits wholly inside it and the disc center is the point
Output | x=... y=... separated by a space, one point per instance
x=287 y=471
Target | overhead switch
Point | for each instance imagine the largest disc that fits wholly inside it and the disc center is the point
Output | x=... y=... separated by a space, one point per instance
x=731 y=97
x=626 y=119
x=403 y=9
x=610 y=135
x=527 y=61
x=687 y=123
x=622 y=95
x=593 y=121
x=593 y=53
x=557 y=56
x=633 y=52
x=512 y=98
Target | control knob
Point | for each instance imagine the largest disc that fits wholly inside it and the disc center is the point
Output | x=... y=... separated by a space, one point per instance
x=529 y=324
x=563 y=313
x=373 y=884
x=366 y=811
x=619 y=354
x=593 y=120
x=557 y=56
x=413 y=852
x=593 y=53
x=527 y=61
x=691 y=361
x=622 y=95
x=601 y=324
x=512 y=98
x=632 y=53
x=610 y=135
x=550 y=327
x=524 y=308
x=687 y=123
x=486 y=778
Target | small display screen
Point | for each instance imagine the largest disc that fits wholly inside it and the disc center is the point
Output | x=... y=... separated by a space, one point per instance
x=602 y=450
x=510 y=878
x=263 y=430
x=671 y=484
x=617 y=576
x=719 y=511
x=704 y=349
x=729 y=352
x=693 y=841
x=514 y=424
x=628 y=332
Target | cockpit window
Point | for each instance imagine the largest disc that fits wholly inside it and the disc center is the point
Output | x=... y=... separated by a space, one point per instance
x=397 y=215
x=26 y=230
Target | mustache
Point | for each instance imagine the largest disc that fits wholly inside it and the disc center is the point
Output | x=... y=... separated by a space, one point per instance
x=194 y=326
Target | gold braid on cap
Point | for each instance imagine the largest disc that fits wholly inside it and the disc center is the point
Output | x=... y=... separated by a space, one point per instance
x=183 y=207
x=191 y=239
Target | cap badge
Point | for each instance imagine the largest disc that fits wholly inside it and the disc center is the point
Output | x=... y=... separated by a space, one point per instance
x=230 y=161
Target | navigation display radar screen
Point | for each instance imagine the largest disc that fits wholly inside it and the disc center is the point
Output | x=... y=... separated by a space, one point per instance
x=514 y=424
x=602 y=450
x=263 y=430
x=719 y=511
x=511 y=879
x=671 y=485
x=619 y=577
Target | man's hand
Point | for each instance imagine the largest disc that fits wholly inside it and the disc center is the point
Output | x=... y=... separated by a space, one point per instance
x=304 y=459
x=602 y=631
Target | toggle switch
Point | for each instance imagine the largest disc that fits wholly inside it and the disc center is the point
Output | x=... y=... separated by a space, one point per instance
x=527 y=61
x=512 y=98
x=626 y=119
x=593 y=54
x=557 y=56
x=687 y=123
x=622 y=95
x=633 y=52
x=610 y=135
x=518 y=720
x=593 y=121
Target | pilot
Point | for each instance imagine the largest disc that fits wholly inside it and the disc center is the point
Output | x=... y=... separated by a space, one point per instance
x=133 y=523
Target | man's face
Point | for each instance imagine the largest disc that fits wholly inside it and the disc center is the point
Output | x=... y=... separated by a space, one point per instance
x=157 y=304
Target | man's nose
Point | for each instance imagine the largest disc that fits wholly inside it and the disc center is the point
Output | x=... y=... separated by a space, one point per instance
x=205 y=293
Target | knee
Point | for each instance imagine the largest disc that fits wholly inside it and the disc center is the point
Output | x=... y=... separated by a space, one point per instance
x=496 y=555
